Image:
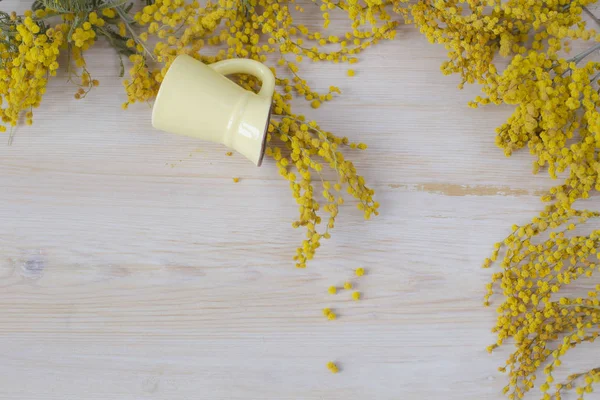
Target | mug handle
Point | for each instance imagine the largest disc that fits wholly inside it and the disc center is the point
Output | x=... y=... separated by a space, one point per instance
x=250 y=67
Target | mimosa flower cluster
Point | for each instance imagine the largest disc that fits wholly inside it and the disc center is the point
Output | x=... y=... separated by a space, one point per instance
x=149 y=36
x=555 y=96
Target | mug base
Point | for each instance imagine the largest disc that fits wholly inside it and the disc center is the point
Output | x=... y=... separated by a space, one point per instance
x=264 y=140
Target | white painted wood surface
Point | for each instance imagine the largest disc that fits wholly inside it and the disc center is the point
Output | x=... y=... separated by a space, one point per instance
x=132 y=267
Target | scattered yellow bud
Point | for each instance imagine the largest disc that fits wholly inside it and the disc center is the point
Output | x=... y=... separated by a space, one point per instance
x=331 y=366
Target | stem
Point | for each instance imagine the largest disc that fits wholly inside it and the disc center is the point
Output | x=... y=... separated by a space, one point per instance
x=582 y=306
x=135 y=37
x=588 y=12
x=119 y=52
x=586 y=53
x=11 y=135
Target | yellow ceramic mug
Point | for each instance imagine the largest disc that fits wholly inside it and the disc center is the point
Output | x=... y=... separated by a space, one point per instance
x=197 y=100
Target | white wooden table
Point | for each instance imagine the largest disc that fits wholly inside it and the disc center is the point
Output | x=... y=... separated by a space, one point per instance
x=133 y=267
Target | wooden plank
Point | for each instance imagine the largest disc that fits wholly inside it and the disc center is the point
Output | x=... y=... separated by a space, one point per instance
x=133 y=267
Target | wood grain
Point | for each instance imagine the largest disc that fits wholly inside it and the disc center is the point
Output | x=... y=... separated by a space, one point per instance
x=132 y=267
